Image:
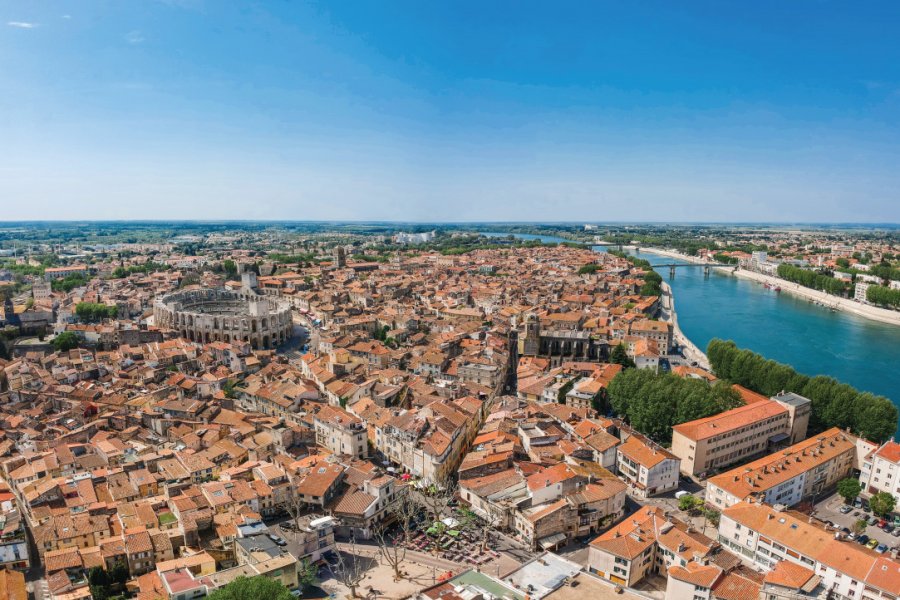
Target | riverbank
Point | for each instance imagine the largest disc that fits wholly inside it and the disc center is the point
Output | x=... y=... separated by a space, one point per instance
x=866 y=311
x=689 y=349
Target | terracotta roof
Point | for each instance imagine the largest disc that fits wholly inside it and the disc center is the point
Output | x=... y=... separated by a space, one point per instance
x=730 y=420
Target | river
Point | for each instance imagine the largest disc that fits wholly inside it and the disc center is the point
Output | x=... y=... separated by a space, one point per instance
x=810 y=338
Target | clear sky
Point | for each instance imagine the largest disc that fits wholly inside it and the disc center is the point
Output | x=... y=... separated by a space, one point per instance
x=464 y=110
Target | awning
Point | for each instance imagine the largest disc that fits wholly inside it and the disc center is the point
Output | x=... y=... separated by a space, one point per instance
x=450 y=522
x=551 y=540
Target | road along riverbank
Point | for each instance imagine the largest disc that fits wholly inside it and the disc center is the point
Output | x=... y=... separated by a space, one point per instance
x=689 y=349
x=828 y=301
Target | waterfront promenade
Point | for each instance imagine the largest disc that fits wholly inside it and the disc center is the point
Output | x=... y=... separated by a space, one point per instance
x=689 y=349
x=849 y=305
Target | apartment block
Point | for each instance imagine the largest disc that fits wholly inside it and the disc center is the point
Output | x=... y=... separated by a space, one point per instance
x=765 y=536
x=786 y=477
x=715 y=442
x=880 y=470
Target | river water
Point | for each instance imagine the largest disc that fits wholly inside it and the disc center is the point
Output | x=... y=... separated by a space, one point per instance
x=812 y=339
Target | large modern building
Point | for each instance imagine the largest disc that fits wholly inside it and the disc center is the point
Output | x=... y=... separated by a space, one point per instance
x=765 y=536
x=788 y=476
x=758 y=428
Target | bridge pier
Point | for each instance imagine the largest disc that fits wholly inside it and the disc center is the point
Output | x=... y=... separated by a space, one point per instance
x=671 y=271
x=706 y=271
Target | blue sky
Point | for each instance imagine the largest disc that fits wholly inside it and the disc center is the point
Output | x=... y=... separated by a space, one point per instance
x=421 y=111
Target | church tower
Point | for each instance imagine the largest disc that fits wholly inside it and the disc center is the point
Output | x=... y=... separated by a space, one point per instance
x=530 y=344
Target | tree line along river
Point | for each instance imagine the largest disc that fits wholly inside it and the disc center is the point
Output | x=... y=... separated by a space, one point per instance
x=812 y=339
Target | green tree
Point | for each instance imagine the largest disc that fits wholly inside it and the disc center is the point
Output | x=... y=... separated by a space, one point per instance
x=119 y=573
x=712 y=516
x=689 y=503
x=252 y=588
x=229 y=390
x=860 y=526
x=230 y=268
x=65 y=341
x=90 y=312
x=652 y=403
x=307 y=574
x=620 y=356
x=834 y=404
x=652 y=284
x=882 y=503
x=849 y=489
x=99 y=583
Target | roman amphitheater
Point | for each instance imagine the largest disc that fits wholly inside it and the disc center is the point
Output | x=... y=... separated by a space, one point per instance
x=209 y=315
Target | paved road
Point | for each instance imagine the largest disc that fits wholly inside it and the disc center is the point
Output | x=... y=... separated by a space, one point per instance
x=422 y=558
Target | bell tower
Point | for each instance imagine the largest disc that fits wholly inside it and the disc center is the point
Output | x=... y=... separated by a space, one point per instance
x=530 y=344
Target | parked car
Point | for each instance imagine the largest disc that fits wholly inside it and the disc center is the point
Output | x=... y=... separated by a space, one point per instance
x=857 y=503
x=896 y=532
x=277 y=539
x=880 y=548
x=855 y=513
x=872 y=520
x=888 y=528
x=872 y=544
x=863 y=539
x=882 y=523
x=845 y=509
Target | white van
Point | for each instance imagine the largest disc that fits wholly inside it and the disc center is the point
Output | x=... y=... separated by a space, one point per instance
x=681 y=494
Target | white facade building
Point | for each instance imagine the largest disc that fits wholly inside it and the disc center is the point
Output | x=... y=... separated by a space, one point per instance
x=880 y=470
x=764 y=535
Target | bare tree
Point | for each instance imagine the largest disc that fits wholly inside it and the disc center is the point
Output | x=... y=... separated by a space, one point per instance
x=483 y=523
x=350 y=571
x=295 y=506
x=401 y=512
x=434 y=499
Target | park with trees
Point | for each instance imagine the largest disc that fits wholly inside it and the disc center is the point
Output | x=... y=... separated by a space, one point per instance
x=653 y=402
x=90 y=312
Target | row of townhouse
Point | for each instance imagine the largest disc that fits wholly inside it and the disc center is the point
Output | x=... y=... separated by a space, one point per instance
x=548 y=507
x=804 y=470
x=429 y=442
